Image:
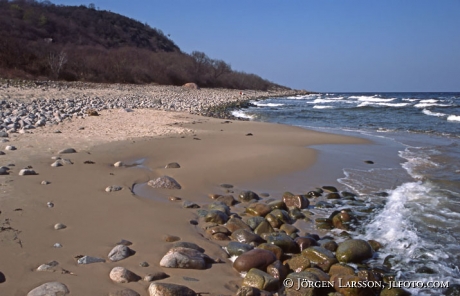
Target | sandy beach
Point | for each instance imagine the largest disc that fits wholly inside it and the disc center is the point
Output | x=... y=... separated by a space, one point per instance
x=209 y=151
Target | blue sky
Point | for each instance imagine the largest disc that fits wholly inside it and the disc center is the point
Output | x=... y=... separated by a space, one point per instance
x=322 y=45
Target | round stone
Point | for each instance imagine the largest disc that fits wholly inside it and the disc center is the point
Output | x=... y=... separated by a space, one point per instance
x=354 y=250
x=59 y=226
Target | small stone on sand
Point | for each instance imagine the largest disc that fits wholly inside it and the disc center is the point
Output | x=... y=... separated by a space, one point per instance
x=118 y=164
x=67 y=150
x=59 y=226
x=27 y=172
x=113 y=188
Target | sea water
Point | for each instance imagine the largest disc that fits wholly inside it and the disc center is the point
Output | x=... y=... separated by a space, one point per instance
x=419 y=224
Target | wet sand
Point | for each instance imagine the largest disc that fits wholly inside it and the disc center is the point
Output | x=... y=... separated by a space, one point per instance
x=209 y=151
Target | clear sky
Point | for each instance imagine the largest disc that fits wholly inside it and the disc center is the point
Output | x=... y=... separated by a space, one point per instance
x=322 y=45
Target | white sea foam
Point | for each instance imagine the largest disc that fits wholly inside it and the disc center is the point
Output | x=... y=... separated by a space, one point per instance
x=424 y=105
x=410 y=100
x=428 y=112
x=306 y=97
x=363 y=104
x=335 y=98
x=259 y=104
x=241 y=114
x=391 y=226
x=429 y=101
x=416 y=159
x=319 y=101
x=371 y=99
x=453 y=118
x=322 y=107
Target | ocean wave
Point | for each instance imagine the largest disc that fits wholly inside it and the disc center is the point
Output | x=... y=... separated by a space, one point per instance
x=410 y=211
x=266 y=104
x=322 y=107
x=335 y=98
x=371 y=99
x=319 y=101
x=300 y=97
x=364 y=104
x=429 y=101
x=410 y=100
x=424 y=105
x=453 y=118
x=241 y=114
x=428 y=112
x=417 y=160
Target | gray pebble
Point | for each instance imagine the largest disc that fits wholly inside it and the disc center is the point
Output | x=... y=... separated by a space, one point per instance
x=113 y=188
x=67 y=150
x=27 y=172
x=89 y=260
x=59 y=226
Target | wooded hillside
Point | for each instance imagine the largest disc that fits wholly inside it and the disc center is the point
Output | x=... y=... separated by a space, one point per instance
x=40 y=40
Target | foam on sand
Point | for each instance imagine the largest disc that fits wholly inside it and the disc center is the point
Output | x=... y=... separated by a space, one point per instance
x=241 y=114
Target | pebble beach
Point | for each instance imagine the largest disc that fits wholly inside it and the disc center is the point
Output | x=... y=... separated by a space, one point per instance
x=131 y=190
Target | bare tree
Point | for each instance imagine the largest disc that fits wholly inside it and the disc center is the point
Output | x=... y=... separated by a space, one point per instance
x=220 y=68
x=200 y=62
x=56 y=62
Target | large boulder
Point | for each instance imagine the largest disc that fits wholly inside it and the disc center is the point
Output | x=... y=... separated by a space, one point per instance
x=216 y=216
x=258 y=209
x=180 y=257
x=165 y=289
x=237 y=248
x=295 y=201
x=246 y=237
x=246 y=196
x=354 y=250
x=122 y=275
x=164 y=182
x=284 y=241
x=235 y=223
x=320 y=257
x=256 y=258
x=261 y=280
x=50 y=289
x=191 y=85
x=120 y=252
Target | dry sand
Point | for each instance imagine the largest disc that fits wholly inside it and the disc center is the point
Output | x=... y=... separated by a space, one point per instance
x=209 y=151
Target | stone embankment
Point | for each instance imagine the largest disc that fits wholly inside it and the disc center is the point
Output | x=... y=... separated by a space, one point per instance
x=29 y=104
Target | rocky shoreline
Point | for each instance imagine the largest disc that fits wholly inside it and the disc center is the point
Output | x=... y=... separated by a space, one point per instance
x=26 y=105
x=277 y=256
x=294 y=244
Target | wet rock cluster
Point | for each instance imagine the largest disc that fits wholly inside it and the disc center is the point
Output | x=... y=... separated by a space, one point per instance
x=271 y=250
